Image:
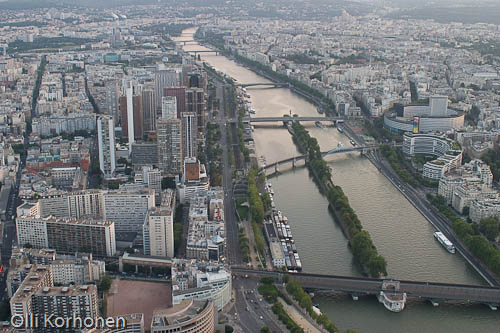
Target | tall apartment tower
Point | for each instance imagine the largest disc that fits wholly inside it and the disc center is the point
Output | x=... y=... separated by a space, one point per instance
x=169 y=137
x=165 y=77
x=132 y=122
x=189 y=135
x=180 y=94
x=129 y=112
x=148 y=110
x=106 y=142
x=168 y=107
x=195 y=102
x=158 y=230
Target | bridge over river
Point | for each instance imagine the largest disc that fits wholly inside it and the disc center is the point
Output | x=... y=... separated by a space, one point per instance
x=338 y=150
x=359 y=286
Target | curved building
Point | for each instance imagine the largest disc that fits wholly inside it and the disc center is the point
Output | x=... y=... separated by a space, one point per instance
x=188 y=316
x=426 y=118
x=435 y=145
x=425 y=124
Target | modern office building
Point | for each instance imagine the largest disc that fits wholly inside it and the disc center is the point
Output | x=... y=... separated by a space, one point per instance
x=148 y=110
x=169 y=107
x=195 y=103
x=189 y=135
x=180 y=95
x=165 y=77
x=158 y=229
x=144 y=153
x=67 y=235
x=170 y=151
x=188 y=316
x=106 y=143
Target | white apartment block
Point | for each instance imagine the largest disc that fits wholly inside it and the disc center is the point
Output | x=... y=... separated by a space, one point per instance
x=480 y=209
x=158 y=229
x=128 y=210
x=32 y=232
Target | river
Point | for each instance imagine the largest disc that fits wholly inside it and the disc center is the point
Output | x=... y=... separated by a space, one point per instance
x=400 y=233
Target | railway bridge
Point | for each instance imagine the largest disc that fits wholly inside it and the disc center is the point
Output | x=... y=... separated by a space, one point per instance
x=359 y=286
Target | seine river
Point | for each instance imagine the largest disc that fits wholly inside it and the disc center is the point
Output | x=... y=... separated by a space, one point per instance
x=400 y=233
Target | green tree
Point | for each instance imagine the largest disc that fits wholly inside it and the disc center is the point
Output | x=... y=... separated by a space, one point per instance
x=265 y=329
x=105 y=283
x=489 y=227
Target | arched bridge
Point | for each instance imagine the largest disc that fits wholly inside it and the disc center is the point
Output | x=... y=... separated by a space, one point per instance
x=268 y=84
x=367 y=286
x=336 y=150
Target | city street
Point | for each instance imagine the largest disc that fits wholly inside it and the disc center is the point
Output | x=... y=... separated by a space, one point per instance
x=233 y=248
x=252 y=311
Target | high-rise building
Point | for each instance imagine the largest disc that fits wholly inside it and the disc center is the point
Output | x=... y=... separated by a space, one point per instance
x=148 y=110
x=152 y=179
x=189 y=135
x=158 y=229
x=112 y=99
x=195 y=102
x=67 y=235
x=165 y=77
x=180 y=94
x=144 y=153
x=127 y=209
x=132 y=122
x=169 y=107
x=169 y=134
x=106 y=143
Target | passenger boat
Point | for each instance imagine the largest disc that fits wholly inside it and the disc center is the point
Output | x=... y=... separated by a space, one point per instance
x=444 y=241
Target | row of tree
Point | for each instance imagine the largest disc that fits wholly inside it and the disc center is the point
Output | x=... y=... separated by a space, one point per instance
x=478 y=244
x=295 y=289
x=363 y=249
x=309 y=145
x=470 y=234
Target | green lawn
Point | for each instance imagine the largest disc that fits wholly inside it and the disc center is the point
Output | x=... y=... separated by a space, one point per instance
x=242 y=210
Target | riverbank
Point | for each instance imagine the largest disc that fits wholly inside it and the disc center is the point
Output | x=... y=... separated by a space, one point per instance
x=364 y=251
x=402 y=234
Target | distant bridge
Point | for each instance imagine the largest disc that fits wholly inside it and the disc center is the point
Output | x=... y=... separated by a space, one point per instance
x=359 y=286
x=187 y=42
x=337 y=150
x=268 y=84
x=203 y=51
x=287 y=119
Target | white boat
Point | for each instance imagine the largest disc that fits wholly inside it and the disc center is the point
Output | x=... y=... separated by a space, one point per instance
x=444 y=241
x=393 y=301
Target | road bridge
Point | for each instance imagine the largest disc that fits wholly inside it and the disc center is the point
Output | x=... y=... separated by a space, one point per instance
x=432 y=291
x=288 y=119
x=196 y=52
x=264 y=84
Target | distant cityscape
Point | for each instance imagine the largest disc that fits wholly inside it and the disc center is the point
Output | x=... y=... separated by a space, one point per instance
x=151 y=159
